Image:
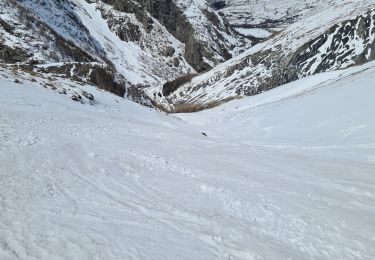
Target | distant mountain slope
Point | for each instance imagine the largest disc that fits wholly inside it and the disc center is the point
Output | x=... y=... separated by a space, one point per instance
x=261 y=19
x=142 y=43
x=148 y=43
x=334 y=38
x=147 y=50
x=212 y=40
x=35 y=41
x=141 y=57
x=268 y=13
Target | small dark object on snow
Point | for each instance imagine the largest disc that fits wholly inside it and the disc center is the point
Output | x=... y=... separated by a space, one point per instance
x=76 y=97
x=204 y=134
x=88 y=95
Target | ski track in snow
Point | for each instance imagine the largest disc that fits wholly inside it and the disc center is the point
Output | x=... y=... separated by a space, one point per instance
x=118 y=181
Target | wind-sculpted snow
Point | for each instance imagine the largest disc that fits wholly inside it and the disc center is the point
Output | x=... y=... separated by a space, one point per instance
x=287 y=174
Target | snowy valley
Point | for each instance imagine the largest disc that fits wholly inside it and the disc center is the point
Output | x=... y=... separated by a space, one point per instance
x=279 y=164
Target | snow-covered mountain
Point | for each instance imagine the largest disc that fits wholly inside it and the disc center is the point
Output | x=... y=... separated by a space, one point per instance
x=335 y=37
x=133 y=47
x=143 y=43
x=267 y=14
x=94 y=30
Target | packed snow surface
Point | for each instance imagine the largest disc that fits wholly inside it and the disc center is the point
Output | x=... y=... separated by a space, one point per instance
x=287 y=174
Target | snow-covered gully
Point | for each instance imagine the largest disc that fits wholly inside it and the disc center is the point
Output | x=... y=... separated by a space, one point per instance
x=288 y=174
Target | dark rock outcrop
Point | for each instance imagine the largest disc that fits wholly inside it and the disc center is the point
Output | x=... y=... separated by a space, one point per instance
x=218 y=4
x=197 y=51
x=104 y=77
x=101 y=76
x=12 y=55
x=173 y=85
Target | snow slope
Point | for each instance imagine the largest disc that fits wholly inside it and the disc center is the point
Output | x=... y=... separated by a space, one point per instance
x=287 y=174
x=310 y=111
x=269 y=13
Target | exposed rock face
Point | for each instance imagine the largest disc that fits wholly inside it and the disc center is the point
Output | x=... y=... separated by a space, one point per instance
x=173 y=85
x=349 y=43
x=130 y=6
x=196 y=50
x=12 y=55
x=169 y=15
x=217 y=4
x=149 y=54
x=203 y=49
x=102 y=76
x=213 y=40
x=96 y=74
